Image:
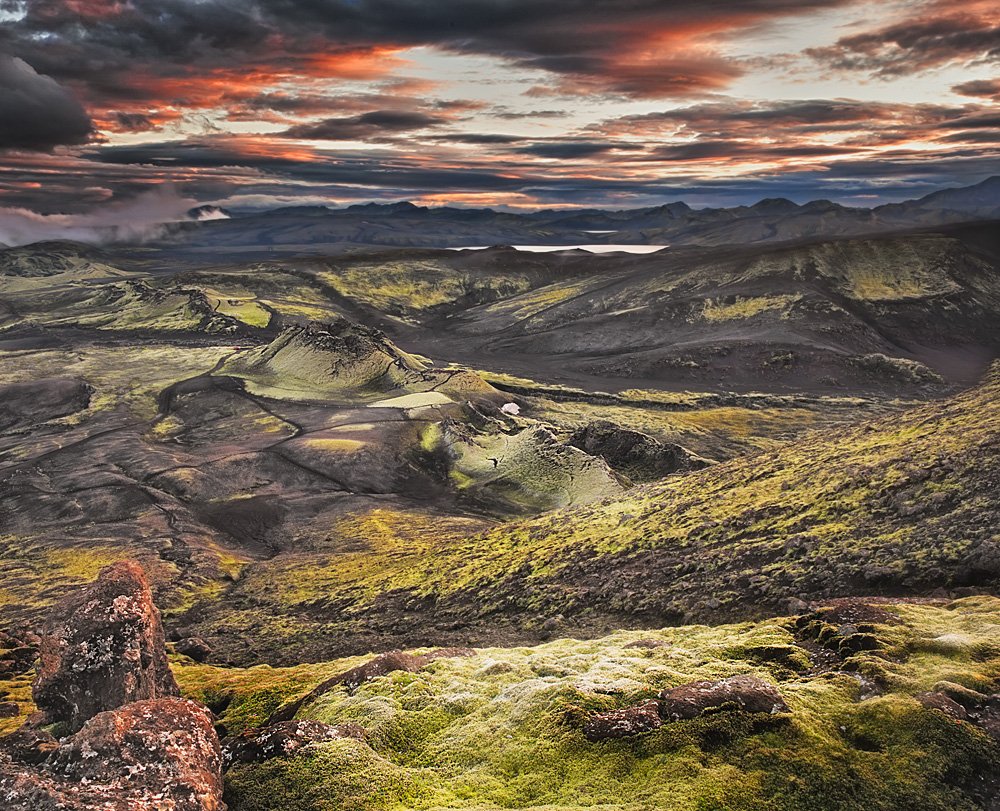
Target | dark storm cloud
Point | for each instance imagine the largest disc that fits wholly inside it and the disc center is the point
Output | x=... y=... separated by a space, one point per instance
x=133 y=122
x=36 y=112
x=643 y=47
x=213 y=169
x=706 y=150
x=365 y=126
x=800 y=115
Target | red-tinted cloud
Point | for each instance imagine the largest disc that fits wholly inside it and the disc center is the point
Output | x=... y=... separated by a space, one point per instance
x=931 y=35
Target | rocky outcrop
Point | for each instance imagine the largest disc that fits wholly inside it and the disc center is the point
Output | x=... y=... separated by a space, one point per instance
x=737 y=693
x=104 y=678
x=639 y=456
x=747 y=693
x=159 y=754
x=105 y=650
x=283 y=739
x=381 y=665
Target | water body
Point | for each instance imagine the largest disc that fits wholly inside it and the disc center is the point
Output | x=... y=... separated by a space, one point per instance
x=611 y=248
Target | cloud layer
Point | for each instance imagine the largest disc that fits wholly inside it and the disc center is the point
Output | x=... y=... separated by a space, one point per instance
x=520 y=103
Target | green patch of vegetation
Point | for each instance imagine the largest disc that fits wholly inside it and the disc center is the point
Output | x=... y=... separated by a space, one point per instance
x=502 y=728
x=741 y=308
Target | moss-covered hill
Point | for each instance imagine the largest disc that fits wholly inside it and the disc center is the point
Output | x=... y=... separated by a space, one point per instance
x=900 y=505
x=898 y=722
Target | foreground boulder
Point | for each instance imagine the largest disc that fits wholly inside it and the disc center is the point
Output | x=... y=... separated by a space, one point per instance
x=161 y=754
x=747 y=693
x=284 y=739
x=104 y=678
x=105 y=650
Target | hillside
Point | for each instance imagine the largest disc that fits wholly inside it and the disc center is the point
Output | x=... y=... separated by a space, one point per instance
x=900 y=506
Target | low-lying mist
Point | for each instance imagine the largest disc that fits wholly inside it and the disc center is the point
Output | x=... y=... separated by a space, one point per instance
x=141 y=219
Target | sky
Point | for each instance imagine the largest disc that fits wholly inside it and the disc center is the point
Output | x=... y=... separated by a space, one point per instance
x=516 y=104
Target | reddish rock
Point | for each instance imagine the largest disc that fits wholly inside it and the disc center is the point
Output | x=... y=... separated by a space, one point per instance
x=159 y=754
x=747 y=693
x=623 y=723
x=941 y=702
x=283 y=739
x=105 y=650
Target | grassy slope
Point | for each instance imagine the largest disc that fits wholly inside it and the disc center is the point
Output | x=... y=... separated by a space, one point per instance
x=901 y=505
x=501 y=729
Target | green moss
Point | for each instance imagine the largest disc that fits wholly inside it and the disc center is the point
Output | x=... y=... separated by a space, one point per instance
x=742 y=308
x=502 y=729
x=337 y=776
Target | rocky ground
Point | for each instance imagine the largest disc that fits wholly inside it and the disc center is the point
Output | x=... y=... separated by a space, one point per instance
x=711 y=529
x=857 y=704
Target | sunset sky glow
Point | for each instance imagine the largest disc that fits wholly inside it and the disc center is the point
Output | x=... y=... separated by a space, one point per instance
x=505 y=103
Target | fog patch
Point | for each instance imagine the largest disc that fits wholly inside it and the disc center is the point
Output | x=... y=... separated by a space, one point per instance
x=143 y=218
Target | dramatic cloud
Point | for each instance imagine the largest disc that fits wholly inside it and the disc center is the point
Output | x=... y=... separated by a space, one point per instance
x=35 y=111
x=648 y=48
x=365 y=126
x=984 y=88
x=936 y=34
x=482 y=102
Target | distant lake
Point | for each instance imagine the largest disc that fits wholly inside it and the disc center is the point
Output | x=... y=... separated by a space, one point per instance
x=612 y=248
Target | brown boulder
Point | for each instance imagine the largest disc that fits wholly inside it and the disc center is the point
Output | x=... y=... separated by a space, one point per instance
x=623 y=723
x=283 y=739
x=941 y=702
x=105 y=650
x=747 y=693
x=194 y=647
x=159 y=754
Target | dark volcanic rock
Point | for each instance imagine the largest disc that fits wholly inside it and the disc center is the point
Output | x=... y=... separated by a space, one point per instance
x=106 y=650
x=36 y=401
x=17 y=660
x=28 y=745
x=381 y=665
x=747 y=693
x=638 y=455
x=194 y=647
x=283 y=739
x=159 y=754
x=623 y=723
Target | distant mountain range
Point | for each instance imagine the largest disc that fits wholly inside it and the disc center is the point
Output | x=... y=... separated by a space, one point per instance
x=318 y=228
